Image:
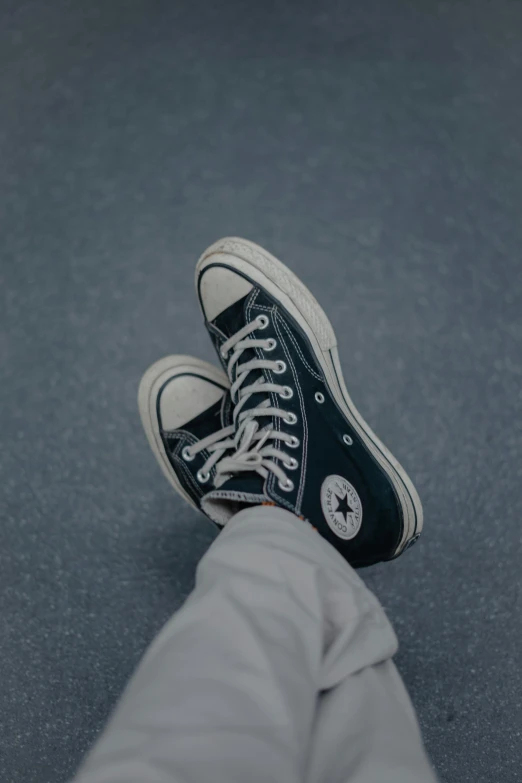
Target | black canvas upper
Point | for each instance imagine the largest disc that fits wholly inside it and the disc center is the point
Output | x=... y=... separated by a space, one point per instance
x=320 y=428
x=214 y=418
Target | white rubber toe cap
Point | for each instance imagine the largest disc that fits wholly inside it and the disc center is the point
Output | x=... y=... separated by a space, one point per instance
x=220 y=287
x=184 y=397
x=178 y=388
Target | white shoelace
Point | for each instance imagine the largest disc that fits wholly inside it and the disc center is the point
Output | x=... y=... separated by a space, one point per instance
x=253 y=451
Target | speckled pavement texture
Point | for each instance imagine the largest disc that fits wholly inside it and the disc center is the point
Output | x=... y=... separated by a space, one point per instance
x=375 y=147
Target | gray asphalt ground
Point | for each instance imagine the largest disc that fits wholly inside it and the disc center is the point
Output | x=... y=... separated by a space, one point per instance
x=375 y=147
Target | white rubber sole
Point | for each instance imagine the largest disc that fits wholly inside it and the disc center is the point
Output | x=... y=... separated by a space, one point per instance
x=151 y=383
x=264 y=269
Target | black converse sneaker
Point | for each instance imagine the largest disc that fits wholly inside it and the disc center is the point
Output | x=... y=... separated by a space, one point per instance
x=300 y=442
x=185 y=409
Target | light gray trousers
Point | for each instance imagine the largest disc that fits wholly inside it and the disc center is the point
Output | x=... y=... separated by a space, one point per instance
x=277 y=669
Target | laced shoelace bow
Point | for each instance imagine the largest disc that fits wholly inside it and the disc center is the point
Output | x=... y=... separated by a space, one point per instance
x=252 y=444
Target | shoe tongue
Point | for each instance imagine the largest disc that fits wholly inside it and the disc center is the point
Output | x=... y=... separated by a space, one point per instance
x=237 y=493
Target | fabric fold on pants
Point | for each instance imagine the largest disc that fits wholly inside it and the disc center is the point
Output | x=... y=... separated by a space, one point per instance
x=277 y=668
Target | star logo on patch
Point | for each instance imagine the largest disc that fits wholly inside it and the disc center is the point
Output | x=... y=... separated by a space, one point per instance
x=342 y=507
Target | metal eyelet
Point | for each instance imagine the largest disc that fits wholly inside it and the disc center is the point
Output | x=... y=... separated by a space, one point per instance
x=186 y=455
x=319 y=397
x=292 y=464
x=293 y=443
x=287 y=486
x=202 y=477
x=347 y=440
x=262 y=321
x=290 y=419
x=271 y=344
x=281 y=367
x=287 y=393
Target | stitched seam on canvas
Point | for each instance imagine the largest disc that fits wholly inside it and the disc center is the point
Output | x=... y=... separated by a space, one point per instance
x=215 y=329
x=196 y=487
x=192 y=439
x=298 y=349
x=184 y=469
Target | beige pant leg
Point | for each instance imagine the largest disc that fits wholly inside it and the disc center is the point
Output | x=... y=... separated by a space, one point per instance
x=229 y=690
x=366 y=731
